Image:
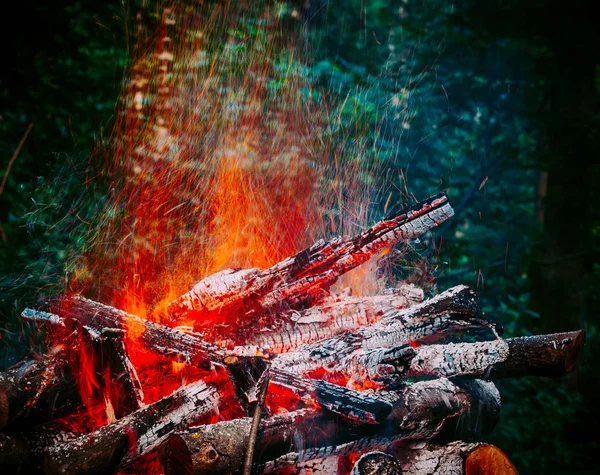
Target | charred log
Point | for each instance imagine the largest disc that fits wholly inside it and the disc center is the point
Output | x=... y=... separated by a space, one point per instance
x=381 y=351
x=301 y=279
x=114 y=360
x=116 y=445
x=190 y=348
x=326 y=320
x=543 y=355
x=479 y=418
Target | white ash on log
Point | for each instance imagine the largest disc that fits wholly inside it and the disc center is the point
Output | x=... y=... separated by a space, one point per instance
x=325 y=320
x=120 y=443
x=456 y=458
x=291 y=438
x=190 y=348
x=300 y=280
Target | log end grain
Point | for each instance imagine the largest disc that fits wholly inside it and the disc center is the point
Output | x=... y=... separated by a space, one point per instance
x=377 y=463
x=488 y=460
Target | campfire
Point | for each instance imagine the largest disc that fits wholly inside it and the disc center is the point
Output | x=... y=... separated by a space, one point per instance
x=276 y=373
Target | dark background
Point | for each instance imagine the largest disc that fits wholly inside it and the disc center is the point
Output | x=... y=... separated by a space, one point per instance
x=496 y=102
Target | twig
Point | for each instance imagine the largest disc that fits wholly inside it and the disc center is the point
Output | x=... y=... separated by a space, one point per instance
x=14 y=157
x=262 y=397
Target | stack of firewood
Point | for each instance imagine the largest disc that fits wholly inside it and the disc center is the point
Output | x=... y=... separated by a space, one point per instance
x=371 y=384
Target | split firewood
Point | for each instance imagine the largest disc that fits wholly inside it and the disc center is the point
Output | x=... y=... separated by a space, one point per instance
x=325 y=320
x=303 y=279
x=456 y=458
x=291 y=438
x=120 y=443
x=78 y=311
x=377 y=463
x=32 y=381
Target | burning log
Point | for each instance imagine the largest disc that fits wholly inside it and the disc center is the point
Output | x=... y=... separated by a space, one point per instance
x=249 y=377
x=291 y=438
x=120 y=443
x=78 y=311
x=114 y=359
x=456 y=458
x=295 y=328
x=302 y=279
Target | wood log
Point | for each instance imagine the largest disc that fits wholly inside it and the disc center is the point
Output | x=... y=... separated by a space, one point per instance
x=291 y=438
x=189 y=348
x=541 y=355
x=326 y=320
x=301 y=279
x=456 y=458
x=117 y=445
x=380 y=352
x=377 y=463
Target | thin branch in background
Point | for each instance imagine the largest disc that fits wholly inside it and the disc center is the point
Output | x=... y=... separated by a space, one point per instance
x=14 y=157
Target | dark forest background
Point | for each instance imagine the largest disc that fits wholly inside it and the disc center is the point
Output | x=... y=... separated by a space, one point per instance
x=495 y=102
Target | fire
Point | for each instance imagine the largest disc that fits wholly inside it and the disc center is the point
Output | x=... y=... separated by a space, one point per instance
x=220 y=159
